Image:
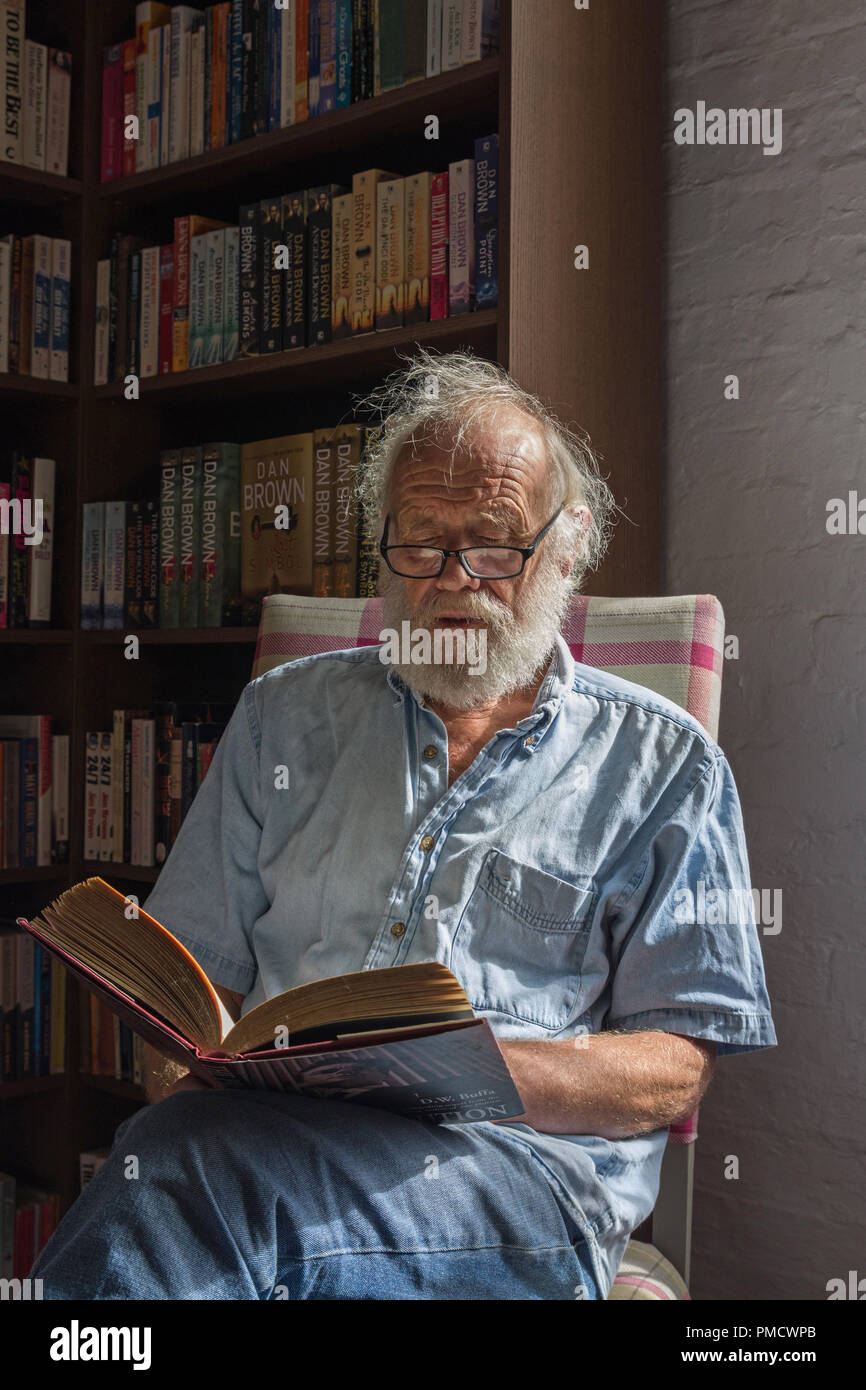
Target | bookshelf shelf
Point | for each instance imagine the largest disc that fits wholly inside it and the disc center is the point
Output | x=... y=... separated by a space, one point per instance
x=367 y=354
x=29 y=387
x=42 y=873
x=34 y=637
x=21 y=185
x=453 y=96
x=37 y=1085
x=126 y=1089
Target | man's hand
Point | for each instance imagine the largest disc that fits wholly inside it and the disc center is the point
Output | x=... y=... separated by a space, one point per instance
x=614 y=1084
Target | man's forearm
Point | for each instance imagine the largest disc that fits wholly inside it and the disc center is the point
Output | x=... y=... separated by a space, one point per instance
x=611 y=1084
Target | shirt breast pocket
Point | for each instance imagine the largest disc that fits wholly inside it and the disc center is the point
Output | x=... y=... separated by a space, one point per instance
x=520 y=942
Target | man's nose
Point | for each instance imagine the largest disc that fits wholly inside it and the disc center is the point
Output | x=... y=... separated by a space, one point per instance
x=454 y=577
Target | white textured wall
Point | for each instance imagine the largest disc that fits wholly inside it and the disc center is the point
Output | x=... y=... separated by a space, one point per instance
x=766 y=278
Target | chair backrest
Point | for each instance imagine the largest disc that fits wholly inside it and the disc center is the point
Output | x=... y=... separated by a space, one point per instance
x=674 y=646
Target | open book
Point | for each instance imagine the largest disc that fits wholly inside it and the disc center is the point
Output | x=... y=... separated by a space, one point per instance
x=403 y=1038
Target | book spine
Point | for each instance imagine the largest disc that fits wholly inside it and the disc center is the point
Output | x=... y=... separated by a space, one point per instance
x=249 y=286
x=35 y=104
x=294 y=216
x=127 y=789
x=5 y=295
x=111 y=154
x=490 y=28
x=41 y=346
x=461 y=245
x=220 y=536
x=57 y=1062
x=230 y=298
x=60 y=798
x=150 y=563
x=189 y=748
x=92 y=559
x=149 y=330
x=142 y=92
x=345 y=543
x=215 y=296
x=128 y=146
x=486 y=221
x=390 y=253
x=218 y=108
x=196 y=86
x=418 y=190
x=209 y=76
x=439 y=227
x=133 y=355
x=327 y=55
x=114 y=564
x=176 y=764
x=5 y=492
x=166 y=307
x=452 y=34
x=180 y=312
x=389 y=50
x=341 y=266
x=42 y=554
x=12 y=78
x=25 y=952
x=319 y=242
x=106 y=829
x=287 y=64
x=169 y=557
x=19 y=566
x=177 y=94
x=100 y=340
x=166 y=715
x=274 y=77
x=61 y=251
x=344 y=53
x=135 y=798
x=271 y=276
x=91 y=796
x=314 y=77
x=164 y=93
x=154 y=103
x=117 y=732
x=368 y=546
x=434 y=37
x=470 y=35
x=364 y=247
x=8 y=947
x=25 y=328
x=197 y=299
x=302 y=60
x=323 y=508
x=133 y=573
x=16 y=244
x=42 y=1029
x=263 y=65
x=248 y=71
x=114 y=355
x=236 y=95
x=11 y=798
x=28 y=805
x=190 y=511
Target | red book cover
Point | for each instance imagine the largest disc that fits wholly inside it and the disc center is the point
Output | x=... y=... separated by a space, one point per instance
x=166 y=305
x=439 y=247
x=129 y=109
x=302 y=59
x=111 y=162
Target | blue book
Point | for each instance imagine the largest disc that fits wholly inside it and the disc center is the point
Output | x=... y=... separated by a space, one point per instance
x=235 y=105
x=344 y=53
x=327 y=55
x=314 y=71
x=486 y=221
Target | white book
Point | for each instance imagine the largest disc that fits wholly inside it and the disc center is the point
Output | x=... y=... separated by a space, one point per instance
x=5 y=290
x=114 y=565
x=41 y=345
x=12 y=78
x=452 y=34
x=42 y=555
x=164 y=93
x=288 y=21
x=149 y=329
x=60 y=798
x=106 y=829
x=57 y=120
x=92 y=560
x=61 y=253
x=100 y=343
x=182 y=17
x=461 y=239
x=91 y=795
x=434 y=37
x=196 y=90
x=35 y=104
x=475 y=12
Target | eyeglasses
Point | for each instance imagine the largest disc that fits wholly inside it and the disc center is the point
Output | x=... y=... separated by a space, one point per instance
x=479 y=561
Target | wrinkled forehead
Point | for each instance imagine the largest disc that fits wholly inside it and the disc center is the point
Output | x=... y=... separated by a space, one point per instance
x=500 y=463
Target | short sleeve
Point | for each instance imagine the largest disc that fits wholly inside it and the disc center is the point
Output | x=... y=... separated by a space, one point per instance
x=209 y=893
x=686 y=955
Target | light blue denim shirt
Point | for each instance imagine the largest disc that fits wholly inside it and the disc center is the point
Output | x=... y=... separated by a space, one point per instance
x=549 y=877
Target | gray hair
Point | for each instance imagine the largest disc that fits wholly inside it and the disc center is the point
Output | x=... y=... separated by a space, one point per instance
x=446 y=395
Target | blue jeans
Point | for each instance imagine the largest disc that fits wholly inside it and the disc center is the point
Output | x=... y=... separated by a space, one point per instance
x=266 y=1196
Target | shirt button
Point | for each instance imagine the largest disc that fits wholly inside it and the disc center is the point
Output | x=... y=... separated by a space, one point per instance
x=528 y=742
x=427 y=843
x=431 y=752
x=398 y=929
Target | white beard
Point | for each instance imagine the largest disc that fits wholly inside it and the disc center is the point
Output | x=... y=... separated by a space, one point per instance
x=520 y=640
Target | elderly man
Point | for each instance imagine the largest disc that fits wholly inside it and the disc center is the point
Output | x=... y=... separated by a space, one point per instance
x=529 y=822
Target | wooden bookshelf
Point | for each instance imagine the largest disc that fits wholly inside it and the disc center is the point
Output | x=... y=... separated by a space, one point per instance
x=577 y=99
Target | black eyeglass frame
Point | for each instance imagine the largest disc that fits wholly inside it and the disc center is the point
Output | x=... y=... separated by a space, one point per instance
x=524 y=550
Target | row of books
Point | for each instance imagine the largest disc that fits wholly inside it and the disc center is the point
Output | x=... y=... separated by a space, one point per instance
x=108 y=1045
x=193 y=80
x=34 y=306
x=141 y=777
x=301 y=269
x=26 y=540
x=32 y=1009
x=35 y=86
x=34 y=792
x=231 y=524
x=28 y=1216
